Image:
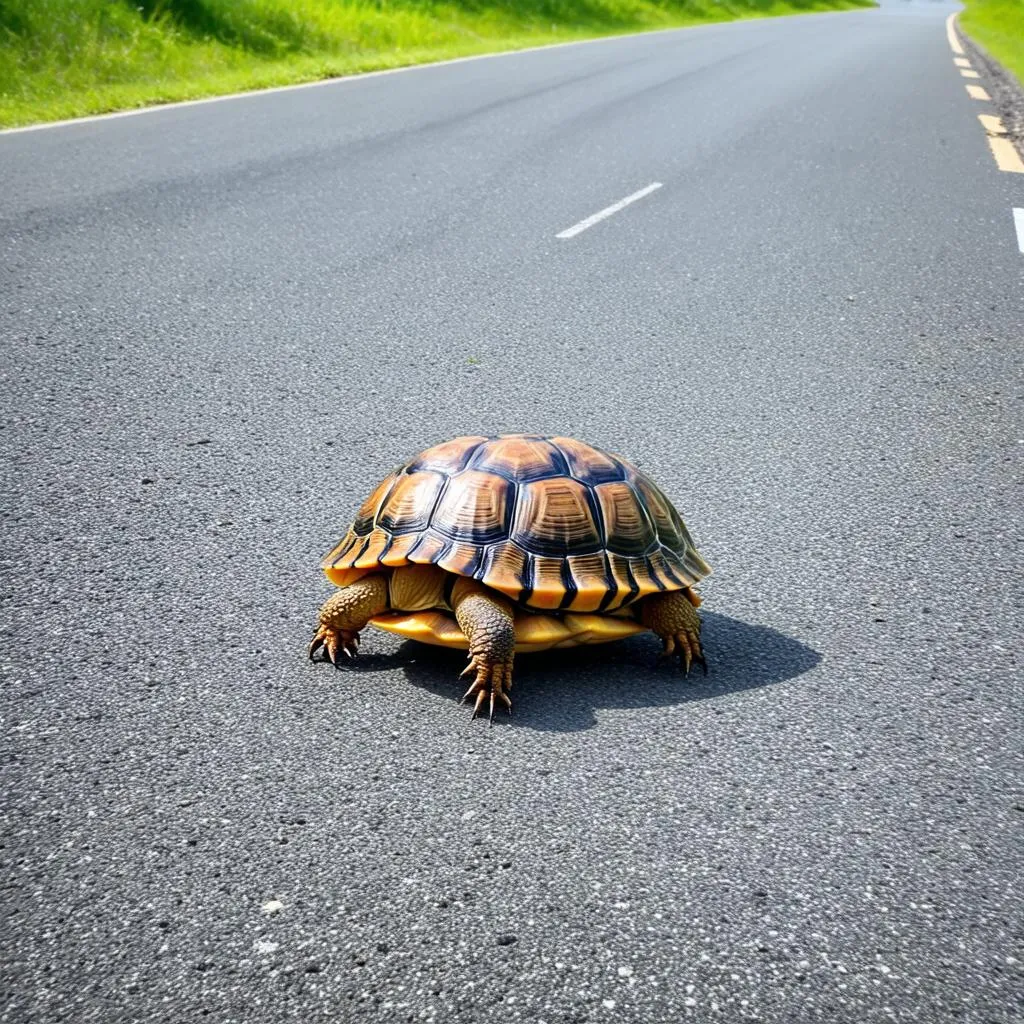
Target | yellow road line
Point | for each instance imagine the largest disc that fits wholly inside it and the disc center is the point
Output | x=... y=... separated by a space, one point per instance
x=954 y=43
x=1007 y=157
x=1005 y=152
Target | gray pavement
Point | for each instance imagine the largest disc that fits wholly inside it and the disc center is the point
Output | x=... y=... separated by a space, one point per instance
x=223 y=323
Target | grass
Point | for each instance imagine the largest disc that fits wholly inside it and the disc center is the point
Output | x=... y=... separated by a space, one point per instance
x=68 y=58
x=998 y=25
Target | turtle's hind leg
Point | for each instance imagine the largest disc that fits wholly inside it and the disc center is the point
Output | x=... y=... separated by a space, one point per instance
x=347 y=612
x=487 y=620
x=673 y=616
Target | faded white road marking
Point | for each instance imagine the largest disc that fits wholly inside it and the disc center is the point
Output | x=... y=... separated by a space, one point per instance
x=992 y=124
x=961 y=62
x=969 y=74
x=1018 y=221
x=954 y=42
x=608 y=211
x=977 y=93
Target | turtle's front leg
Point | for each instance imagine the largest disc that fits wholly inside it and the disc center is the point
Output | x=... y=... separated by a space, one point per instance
x=487 y=620
x=673 y=616
x=347 y=612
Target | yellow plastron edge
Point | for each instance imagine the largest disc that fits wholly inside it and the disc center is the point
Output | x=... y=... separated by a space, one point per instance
x=533 y=632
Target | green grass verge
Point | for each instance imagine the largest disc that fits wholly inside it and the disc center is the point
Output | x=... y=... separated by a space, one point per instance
x=999 y=26
x=68 y=58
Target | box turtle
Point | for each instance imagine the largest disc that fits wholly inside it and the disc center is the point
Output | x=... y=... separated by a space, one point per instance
x=514 y=543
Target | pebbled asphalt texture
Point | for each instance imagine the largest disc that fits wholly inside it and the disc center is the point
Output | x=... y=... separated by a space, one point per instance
x=223 y=323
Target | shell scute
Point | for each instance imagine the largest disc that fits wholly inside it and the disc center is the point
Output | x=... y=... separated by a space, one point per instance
x=474 y=507
x=448 y=457
x=520 y=458
x=591 y=581
x=588 y=464
x=410 y=504
x=429 y=548
x=692 y=566
x=462 y=559
x=670 y=527
x=366 y=517
x=508 y=568
x=556 y=517
x=656 y=571
x=627 y=525
x=371 y=550
x=548 y=577
x=398 y=552
x=336 y=556
x=626 y=586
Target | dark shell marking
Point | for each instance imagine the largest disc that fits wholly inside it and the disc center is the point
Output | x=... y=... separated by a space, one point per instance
x=549 y=521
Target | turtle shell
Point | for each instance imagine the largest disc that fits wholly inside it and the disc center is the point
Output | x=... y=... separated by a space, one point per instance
x=550 y=522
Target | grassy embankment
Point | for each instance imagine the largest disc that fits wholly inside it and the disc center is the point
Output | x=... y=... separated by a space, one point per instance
x=998 y=25
x=66 y=58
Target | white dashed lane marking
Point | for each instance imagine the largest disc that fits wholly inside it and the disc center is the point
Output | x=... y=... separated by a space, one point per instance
x=608 y=211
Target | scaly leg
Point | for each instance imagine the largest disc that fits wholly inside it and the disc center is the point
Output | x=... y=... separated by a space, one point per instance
x=347 y=612
x=673 y=616
x=487 y=620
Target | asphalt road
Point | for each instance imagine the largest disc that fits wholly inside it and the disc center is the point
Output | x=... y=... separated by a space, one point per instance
x=223 y=323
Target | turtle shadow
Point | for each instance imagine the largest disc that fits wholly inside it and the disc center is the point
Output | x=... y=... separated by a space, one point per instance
x=560 y=690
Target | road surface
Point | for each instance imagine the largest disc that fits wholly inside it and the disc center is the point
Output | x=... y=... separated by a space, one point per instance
x=224 y=322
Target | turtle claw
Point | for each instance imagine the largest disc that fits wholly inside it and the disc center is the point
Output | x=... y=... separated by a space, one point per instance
x=335 y=642
x=494 y=679
x=476 y=707
x=685 y=646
